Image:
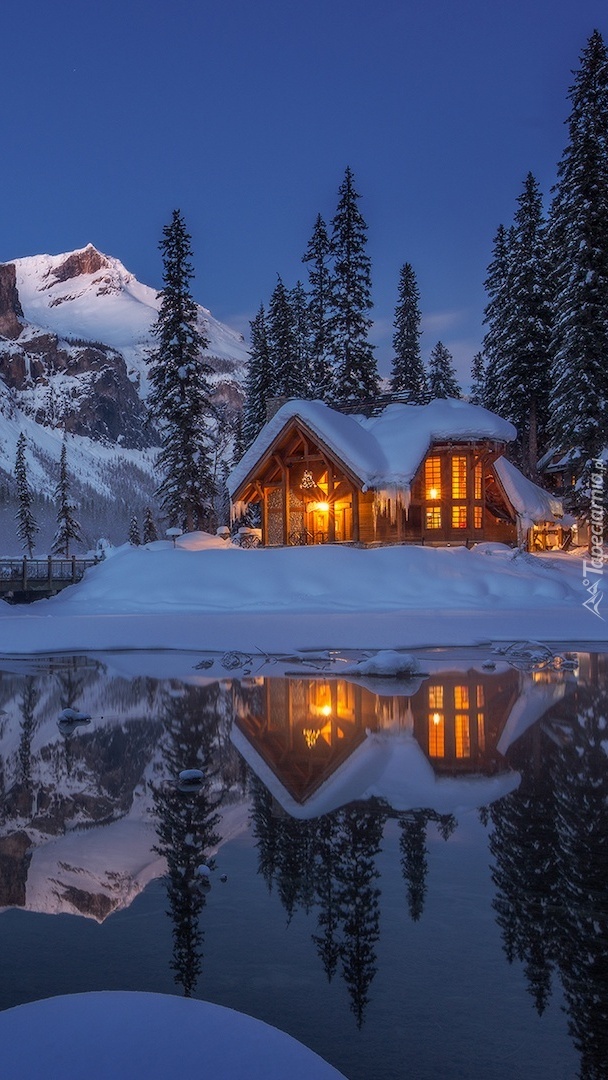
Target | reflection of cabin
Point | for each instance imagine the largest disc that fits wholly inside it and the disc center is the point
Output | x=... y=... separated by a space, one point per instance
x=305 y=729
x=430 y=474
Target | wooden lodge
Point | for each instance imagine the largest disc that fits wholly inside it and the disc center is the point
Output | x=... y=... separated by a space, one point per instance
x=432 y=474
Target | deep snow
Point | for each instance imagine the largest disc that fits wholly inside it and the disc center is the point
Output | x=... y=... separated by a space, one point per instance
x=205 y=593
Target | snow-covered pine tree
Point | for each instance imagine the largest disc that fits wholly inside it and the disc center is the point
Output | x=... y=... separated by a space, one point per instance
x=356 y=377
x=578 y=238
x=301 y=328
x=523 y=393
x=318 y=255
x=134 y=537
x=26 y=523
x=282 y=343
x=478 y=380
x=496 y=316
x=260 y=384
x=443 y=382
x=149 y=530
x=408 y=377
x=68 y=526
x=180 y=393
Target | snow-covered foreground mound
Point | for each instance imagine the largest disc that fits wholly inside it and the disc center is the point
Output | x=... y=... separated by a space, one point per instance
x=316 y=592
x=126 y=1035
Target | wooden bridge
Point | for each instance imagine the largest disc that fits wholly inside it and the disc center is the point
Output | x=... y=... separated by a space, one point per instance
x=23 y=580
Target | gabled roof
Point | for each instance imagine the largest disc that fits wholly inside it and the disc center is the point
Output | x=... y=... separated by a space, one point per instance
x=382 y=451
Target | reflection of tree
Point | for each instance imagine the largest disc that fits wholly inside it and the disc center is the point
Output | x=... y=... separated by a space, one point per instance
x=581 y=811
x=328 y=864
x=413 y=850
x=522 y=843
x=550 y=846
x=29 y=700
x=185 y=824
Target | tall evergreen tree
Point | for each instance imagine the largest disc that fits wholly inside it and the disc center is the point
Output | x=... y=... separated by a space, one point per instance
x=68 y=526
x=443 y=382
x=134 y=537
x=523 y=392
x=301 y=327
x=260 y=384
x=478 y=380
x=282 y=343
x=408 y=377
x=578 y=233
x=149 y=531
x=496 y=316
x=356 y=370
x=26 y=523
x=180 y=394
x=318 y=255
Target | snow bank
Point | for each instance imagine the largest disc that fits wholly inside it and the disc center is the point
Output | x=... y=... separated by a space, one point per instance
x=124 y=1035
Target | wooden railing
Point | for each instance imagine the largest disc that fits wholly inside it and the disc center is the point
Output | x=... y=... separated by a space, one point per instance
x=41 y=575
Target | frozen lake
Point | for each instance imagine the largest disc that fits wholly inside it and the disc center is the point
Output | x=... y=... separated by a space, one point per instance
x=409 y=875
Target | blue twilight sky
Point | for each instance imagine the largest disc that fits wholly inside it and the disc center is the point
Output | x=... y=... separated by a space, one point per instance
x=245 y=113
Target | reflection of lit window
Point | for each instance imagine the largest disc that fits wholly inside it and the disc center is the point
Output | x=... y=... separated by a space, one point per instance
x=478 y=511
x=459 y=517
x=462 y=735
x=432 y=477
x=481 y=731
x=433 y=517
x=320 y=699
x=459 y=477
x=436 y=734
x=480 y=697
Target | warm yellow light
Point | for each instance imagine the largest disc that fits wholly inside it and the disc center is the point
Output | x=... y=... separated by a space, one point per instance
x=436 y=718
x=323 y=506
x=326 y=710
x=433 y=493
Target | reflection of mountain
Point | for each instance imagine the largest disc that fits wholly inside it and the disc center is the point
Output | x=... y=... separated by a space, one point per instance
x=321 y=743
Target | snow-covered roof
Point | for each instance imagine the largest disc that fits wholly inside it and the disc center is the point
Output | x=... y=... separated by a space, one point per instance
x=382 y=451
x=530 y=502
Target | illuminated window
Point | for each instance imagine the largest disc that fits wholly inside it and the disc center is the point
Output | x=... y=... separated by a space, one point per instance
x=462 y=735
x=435 y=697
x=480 y=698
x=481 y=731
x=432 y=478
x=459 y=477
x=478 y=516
x=436 y=734
x=478 y=481
x=459 y=517
x=433 y=517
x=461 y=697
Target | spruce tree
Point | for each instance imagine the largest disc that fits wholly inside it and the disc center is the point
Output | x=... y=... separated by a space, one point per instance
x=408 y=377
x=523 y=391
x=318 y=255
x=496 y=316
x=260 y=384
x=356 y=376
x=26 y=524
x=282 y=343
x=443 y=382
x=134 y=537
x=301 y=330
x=478 y=380
x=578 y=234
x=68 y=526
x=149 y=531
x=180 y=393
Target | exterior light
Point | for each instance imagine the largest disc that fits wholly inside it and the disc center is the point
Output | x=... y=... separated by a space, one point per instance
x=436 y=718
x=433 y=493
x=324 y=506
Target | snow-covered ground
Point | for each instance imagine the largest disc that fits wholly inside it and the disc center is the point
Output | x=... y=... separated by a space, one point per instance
x=206 y=594
x=119 y=1034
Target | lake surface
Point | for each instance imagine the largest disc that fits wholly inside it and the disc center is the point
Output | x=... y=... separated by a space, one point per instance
x=408 y=875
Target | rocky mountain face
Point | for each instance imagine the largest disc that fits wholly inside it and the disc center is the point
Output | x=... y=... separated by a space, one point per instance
x=75 y=330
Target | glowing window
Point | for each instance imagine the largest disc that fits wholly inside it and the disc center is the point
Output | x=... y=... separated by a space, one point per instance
x=480 y=697
x=432 y=478
x=478 y=481
x=461 y=697
x=436 y=734
x=478 y=516
x=435 y=697
x=481 y=731
x=462 y=735
x=459 y=517
x=433 y=517
x=459 y=477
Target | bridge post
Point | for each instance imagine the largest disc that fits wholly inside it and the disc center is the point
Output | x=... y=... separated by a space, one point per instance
x=73 y=569
x=24 y=573
x=50 y=570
